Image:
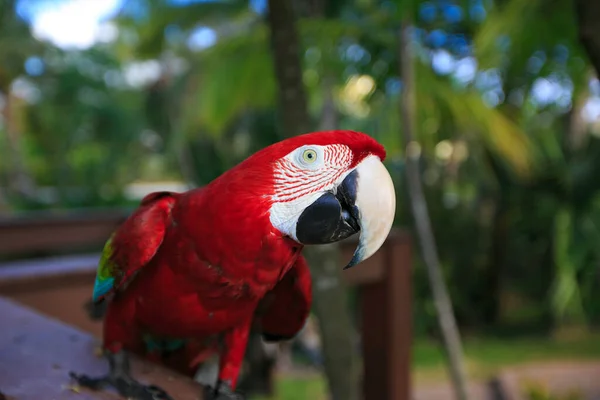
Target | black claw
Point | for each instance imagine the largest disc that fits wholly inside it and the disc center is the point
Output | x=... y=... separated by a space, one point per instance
x=133 y=390
x=88 y=382
x=120 y=379
x=223 y=391
x=126 y=387
x=267 y=337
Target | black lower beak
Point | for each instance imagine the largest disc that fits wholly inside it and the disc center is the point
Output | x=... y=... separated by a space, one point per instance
x=333 y=217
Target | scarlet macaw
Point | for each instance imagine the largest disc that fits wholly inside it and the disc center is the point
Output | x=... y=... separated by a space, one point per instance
x=189 y=269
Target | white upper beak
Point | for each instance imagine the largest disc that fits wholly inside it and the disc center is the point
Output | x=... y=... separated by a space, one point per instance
x=376 y=203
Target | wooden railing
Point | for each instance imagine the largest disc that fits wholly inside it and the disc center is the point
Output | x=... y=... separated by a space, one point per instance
x=60 y=286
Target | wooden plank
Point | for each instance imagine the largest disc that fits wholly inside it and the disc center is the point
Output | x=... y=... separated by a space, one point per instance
x=37 y=353
x=51 y=231
x=57 y=286
x=39 y=274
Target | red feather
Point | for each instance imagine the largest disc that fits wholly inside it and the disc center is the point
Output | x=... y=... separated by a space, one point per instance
x=288 y=304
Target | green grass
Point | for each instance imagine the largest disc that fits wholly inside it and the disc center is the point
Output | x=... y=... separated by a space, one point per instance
x=484 y=357
x=288 y=388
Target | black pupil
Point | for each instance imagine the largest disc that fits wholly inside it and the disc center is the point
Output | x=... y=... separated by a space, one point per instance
x=309 y=155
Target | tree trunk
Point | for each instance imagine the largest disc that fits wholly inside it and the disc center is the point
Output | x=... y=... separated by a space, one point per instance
x=589 y=29
x=441 y=298
x=285 y=49
x=19 y=180
x=576 y=126
x=335 y=324
x=328 y=292
x=492 y=279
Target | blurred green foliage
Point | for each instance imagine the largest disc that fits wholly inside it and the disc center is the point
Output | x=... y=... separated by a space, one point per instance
x=510 y=174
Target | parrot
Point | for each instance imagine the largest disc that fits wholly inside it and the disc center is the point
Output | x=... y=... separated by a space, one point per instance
x=192 y=272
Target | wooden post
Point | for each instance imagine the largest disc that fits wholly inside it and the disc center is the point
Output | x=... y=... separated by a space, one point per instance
x=385 y=283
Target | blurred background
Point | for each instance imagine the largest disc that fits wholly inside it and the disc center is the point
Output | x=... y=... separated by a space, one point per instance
x=105 y=101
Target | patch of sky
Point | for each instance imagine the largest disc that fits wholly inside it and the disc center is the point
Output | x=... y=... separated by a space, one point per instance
x=183 y=3
x=393 y=86
x=452 y=13
x=442 y=62
x=591 y=110
x=201 y=38
x=357 y=54
x=34 y=66
x=536 y=62
x=459 y=45
x=488 y=79
x=135 y=9
x=70 y=23
x=477 y=12
x=465 y=70
x=27 y=9
x=548 y=90
x=437 y=38
x=594 y=87
x=259 y=6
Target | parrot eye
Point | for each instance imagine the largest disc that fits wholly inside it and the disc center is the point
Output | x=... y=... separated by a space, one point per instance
x=309 y=156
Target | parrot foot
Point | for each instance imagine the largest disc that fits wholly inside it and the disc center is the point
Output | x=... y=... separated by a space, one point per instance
x=223 y=391
x=126 y=387
x=120 y=379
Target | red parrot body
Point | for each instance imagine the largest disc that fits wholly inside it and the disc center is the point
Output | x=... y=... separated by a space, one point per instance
x=186 y=271
x=196 y=288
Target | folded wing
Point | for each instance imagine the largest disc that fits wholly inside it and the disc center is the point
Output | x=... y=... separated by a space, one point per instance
x=288 y=304
x=133 y=244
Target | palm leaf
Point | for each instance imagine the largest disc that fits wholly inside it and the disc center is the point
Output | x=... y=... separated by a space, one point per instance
x=234 y=75
x=471 y=114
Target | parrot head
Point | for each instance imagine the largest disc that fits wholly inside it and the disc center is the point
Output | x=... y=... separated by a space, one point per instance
x=327 y=186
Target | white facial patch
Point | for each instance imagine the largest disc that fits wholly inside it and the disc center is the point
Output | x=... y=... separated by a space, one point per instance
x=301 y=177
x=284 y=215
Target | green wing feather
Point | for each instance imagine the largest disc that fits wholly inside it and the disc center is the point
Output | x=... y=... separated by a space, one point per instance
x=105 y=274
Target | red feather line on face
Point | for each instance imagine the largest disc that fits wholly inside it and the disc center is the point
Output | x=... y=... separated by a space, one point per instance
x=292 y=182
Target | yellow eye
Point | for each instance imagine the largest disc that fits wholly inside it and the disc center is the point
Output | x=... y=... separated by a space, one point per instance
x=309 y=156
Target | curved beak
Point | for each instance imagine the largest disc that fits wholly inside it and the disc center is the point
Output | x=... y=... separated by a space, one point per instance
x=376 y=206
x=364 y=202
